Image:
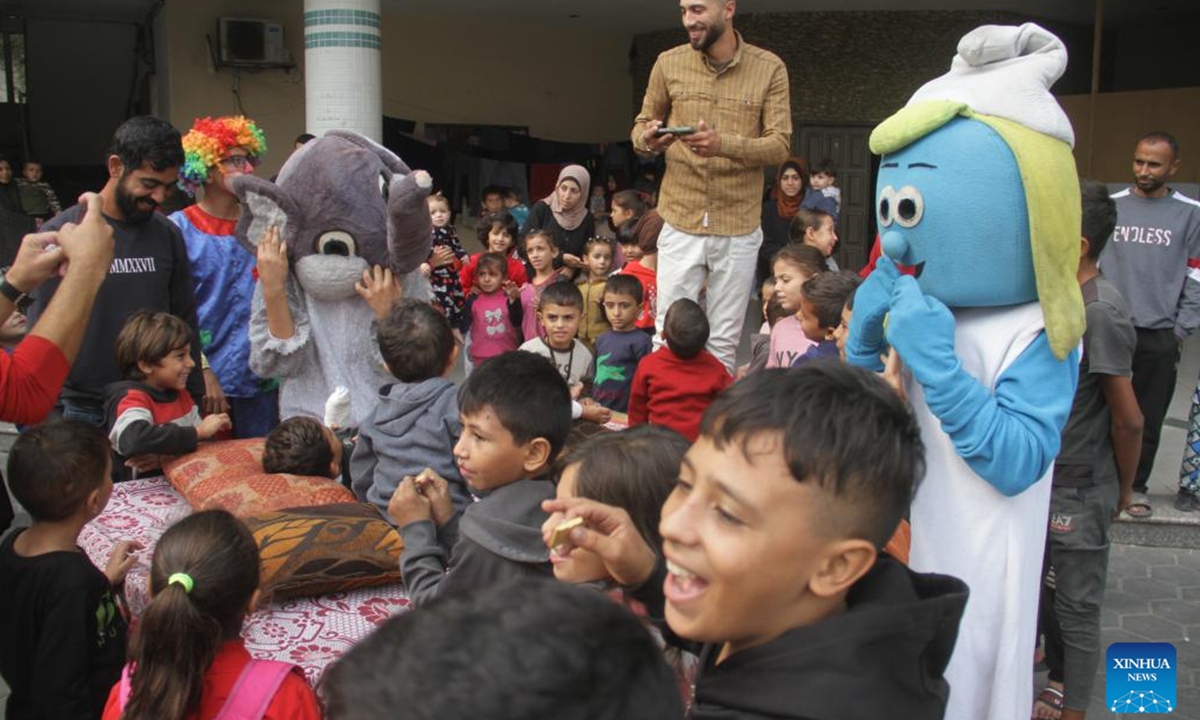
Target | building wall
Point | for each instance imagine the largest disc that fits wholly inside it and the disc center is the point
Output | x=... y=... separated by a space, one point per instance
x=1156 y=56
x=564 y=84
x=568 y=85
x=1122 y=118
x=854 y=68
x=75 y=106
x=273 y=98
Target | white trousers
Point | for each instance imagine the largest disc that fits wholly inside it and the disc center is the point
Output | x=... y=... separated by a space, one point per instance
x=685 y=261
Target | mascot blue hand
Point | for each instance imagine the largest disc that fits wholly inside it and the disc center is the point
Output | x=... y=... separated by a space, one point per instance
x=921 y=329
x=1008 y=436
x=871 y=303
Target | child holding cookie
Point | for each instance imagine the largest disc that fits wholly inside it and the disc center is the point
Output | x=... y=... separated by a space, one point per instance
x=515 y=412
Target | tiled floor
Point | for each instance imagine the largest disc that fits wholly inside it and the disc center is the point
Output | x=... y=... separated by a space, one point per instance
x=1153 y=596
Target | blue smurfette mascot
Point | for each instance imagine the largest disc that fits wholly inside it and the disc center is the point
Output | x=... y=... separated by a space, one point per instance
x=979 y=197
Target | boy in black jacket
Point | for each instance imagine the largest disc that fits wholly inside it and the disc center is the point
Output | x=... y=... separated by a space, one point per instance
x=771 y=543
x=516 y=416
x=62 y=640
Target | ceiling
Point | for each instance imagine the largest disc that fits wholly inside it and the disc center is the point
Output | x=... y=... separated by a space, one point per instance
x=115 y=10
x=644 y=15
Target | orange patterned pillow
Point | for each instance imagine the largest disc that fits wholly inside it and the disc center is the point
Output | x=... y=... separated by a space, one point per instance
x=228 y=474
x=319 y=550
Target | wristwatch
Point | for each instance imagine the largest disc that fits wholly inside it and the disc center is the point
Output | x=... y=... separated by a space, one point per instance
x=21 y=300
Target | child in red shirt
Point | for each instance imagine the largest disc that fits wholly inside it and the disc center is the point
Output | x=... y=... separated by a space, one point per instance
x=204 y=576
x=674 y=385
x=150 y=414
x=639 y=243
x=497 y=234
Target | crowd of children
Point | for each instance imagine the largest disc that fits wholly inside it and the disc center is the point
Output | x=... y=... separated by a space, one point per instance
x=740 y=520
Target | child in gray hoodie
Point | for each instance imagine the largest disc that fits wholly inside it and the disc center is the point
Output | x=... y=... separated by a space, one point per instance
x=415 y=423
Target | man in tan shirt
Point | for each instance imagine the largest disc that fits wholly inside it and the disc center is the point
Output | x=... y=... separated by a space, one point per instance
x=735 y=98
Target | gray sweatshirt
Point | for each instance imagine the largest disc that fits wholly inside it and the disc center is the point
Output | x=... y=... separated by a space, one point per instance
x=1153 y=258
x=413 y=426
x=496 y=539
x=332 y=345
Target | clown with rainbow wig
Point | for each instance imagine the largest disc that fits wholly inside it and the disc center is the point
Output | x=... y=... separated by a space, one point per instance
x=215 y=150
x=212 y=143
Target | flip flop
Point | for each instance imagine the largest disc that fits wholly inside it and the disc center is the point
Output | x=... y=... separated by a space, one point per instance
x=1140 y=507
x=1051 y=698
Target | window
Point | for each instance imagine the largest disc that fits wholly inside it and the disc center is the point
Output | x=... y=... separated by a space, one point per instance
x=12 y=64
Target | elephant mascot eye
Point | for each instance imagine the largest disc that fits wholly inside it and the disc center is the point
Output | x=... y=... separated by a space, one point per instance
x=336 y=242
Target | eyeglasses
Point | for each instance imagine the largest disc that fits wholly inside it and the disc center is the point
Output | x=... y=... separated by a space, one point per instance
x=239 y=162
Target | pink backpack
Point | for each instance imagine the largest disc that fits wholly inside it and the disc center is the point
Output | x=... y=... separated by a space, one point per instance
x=251 y=695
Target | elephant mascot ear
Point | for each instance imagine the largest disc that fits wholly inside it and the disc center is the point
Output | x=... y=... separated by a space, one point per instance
x=409 y=230
x=264 y=204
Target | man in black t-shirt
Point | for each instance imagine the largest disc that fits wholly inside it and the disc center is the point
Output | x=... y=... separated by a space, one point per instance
x=149 y=269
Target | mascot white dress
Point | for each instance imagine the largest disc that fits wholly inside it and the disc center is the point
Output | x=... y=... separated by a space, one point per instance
x=978 y=197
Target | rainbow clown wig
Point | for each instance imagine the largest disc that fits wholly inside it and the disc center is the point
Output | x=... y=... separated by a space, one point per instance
x=210 y=140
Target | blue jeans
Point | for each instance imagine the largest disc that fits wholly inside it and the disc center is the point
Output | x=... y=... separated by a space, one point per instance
x=75 y=410
x=254 y=417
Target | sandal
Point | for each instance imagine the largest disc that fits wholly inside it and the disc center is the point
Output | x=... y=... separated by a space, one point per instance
x=1052 y=699
x=1140 y=507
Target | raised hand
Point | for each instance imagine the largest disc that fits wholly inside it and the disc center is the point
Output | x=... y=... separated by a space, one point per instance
x=607 y=531
x=272 y=260
x=380 y=289
x=872 y=301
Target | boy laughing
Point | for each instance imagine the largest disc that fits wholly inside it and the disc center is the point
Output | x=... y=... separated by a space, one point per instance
x=771 y=544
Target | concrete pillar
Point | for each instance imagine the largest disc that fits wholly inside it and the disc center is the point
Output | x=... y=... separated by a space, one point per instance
x=342 y=86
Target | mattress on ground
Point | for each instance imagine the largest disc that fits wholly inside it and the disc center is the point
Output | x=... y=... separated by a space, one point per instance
x=310 y=632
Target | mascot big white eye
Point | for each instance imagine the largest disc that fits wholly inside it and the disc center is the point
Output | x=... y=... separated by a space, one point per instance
x=978 y=199
x=343 y=205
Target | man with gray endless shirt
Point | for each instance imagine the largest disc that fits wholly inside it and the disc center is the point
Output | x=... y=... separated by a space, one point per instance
x=1153 y=259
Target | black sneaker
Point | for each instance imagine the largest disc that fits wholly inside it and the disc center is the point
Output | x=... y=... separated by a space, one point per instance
x=1187 y=502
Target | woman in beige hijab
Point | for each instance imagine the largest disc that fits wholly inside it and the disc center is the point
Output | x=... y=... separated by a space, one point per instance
x=565 y=215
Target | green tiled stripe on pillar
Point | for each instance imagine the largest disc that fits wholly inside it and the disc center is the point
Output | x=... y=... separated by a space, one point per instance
x=341 y=17
x=341 y=39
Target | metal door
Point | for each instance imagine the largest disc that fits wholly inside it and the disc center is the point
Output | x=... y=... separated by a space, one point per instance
x=847 y=146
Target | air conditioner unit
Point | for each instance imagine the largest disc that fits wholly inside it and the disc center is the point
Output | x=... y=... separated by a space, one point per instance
x=250 y=42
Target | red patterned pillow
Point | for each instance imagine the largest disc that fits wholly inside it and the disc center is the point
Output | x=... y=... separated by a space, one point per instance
x=228 y=474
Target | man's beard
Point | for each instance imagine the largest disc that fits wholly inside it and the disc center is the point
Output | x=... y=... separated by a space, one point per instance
x=711 y=35
x=1151 y=185
x=134 y=214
